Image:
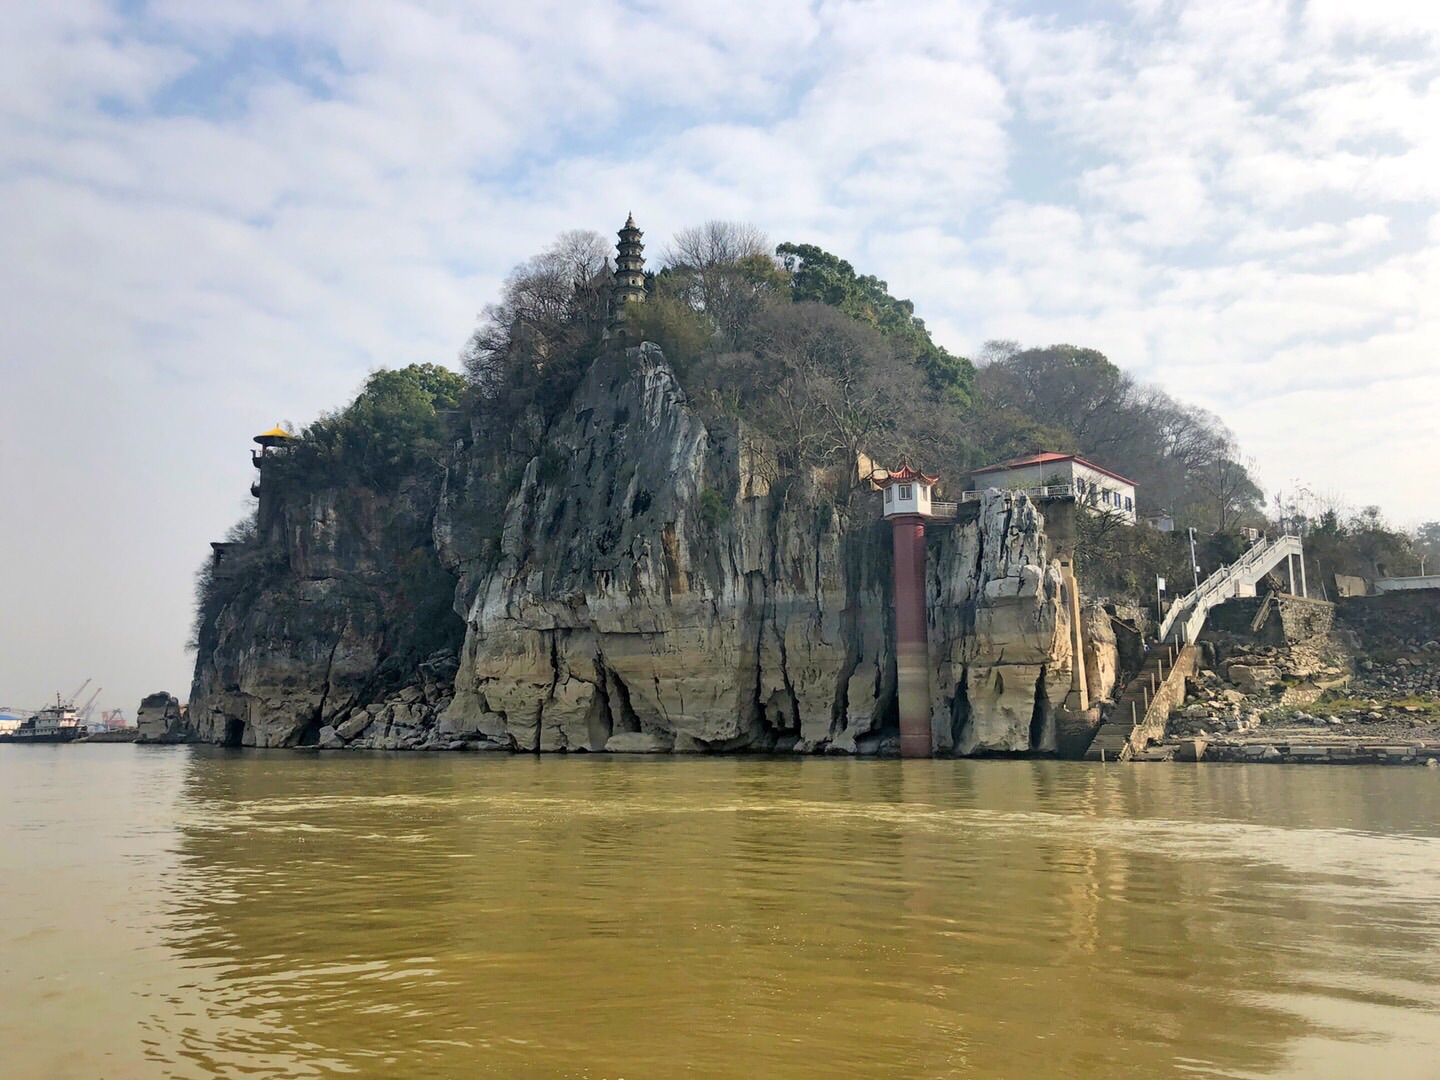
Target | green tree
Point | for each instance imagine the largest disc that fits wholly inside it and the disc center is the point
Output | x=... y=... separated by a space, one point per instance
x=819 y=276
x=391 y=429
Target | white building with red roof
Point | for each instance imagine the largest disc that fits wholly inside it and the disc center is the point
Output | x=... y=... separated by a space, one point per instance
x=1090 y=484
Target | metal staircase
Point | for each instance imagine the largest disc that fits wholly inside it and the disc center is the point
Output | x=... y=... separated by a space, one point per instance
x=1186 y=617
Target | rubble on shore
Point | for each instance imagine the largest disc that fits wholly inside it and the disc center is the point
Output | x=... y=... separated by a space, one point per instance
x=1310 y=702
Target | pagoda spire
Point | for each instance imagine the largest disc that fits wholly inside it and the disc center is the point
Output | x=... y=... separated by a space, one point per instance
x=629 y=267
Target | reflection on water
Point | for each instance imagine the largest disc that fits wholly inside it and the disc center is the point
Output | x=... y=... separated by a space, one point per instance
x=193 y=912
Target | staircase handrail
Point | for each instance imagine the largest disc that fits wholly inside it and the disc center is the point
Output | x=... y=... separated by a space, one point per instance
x=1224 y=579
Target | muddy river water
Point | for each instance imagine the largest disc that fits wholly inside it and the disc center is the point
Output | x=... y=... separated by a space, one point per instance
x=195 y=912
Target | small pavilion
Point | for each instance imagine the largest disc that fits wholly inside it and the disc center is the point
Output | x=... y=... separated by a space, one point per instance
x=907 y=490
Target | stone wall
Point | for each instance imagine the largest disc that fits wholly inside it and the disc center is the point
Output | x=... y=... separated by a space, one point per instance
x=1304 y=620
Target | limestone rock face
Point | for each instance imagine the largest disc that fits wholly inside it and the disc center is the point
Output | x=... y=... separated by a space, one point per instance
x=322 y=622
x=649 y=592
x=639 y=591
x=1102 y=652
x=1000 y=636
x=643 y=584
x=160 y=719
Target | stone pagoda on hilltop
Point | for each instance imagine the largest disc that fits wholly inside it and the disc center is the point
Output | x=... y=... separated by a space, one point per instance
x=629 y=285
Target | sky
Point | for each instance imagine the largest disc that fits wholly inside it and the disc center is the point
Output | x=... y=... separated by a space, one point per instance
x=217 y=215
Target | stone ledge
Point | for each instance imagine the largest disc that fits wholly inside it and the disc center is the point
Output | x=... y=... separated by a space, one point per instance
x=1274 y=752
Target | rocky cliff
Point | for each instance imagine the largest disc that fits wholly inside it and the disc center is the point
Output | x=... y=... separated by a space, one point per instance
x=340 y=604
x=640 y=586
x=653 y=593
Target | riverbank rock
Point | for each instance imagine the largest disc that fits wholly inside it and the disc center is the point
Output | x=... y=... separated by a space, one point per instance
x=161 y=719
x=1251 y=679
x=637 y=742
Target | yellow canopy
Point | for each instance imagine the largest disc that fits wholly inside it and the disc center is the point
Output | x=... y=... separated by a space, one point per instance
x=273 y=433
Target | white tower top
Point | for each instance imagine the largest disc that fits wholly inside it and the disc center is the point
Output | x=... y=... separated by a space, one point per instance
x=907 y=491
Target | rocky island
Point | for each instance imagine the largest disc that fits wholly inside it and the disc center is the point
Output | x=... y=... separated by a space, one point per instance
x=645 y=523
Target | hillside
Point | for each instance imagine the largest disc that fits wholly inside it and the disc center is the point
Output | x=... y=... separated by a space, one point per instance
x=642 y=520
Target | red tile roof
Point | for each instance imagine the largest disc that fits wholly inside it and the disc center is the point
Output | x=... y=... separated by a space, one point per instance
x=903 y=475
x=1048 y=459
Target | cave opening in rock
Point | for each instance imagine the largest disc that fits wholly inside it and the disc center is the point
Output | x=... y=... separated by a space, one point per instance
x=960 y=714
x=623 y=718
x=599 y=722
x=1037 y=713
x=234 y=731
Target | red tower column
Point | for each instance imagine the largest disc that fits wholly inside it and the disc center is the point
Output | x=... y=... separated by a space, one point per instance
x=912 y=646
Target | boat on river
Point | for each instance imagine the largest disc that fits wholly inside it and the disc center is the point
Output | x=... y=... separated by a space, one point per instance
x=55 y=723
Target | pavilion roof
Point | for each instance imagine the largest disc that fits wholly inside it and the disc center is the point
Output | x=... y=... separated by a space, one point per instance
x=883 y=478
x=273 y=433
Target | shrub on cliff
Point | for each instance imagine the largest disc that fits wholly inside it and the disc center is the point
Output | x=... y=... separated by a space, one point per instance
x=392 y=430
x=816 y=275
x=826 y=388
x=249 y=565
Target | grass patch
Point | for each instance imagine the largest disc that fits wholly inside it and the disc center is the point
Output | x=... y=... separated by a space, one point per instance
x=1332 y=704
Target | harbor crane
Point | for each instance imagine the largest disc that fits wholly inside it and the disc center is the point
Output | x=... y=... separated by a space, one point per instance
x=85 y=710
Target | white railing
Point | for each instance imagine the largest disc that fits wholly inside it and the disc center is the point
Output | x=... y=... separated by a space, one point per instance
x=943 y=509
x=1050 y=491
x=1259 y=560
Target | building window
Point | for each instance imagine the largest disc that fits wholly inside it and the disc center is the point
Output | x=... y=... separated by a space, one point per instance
x=1129 y=503
x=889 y=494
x=907 y=491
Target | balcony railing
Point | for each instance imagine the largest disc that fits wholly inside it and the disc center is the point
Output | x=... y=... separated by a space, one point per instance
x=1049 y=491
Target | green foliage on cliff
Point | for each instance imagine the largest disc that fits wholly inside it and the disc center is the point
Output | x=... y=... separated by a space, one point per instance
x=392 y=430
x=249 y=567
x=816 y=275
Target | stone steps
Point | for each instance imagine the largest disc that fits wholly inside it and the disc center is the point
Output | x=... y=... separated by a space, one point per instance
x=1116 y=739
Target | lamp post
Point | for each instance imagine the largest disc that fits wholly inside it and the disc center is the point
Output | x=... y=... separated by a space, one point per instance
x=1194 y=562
